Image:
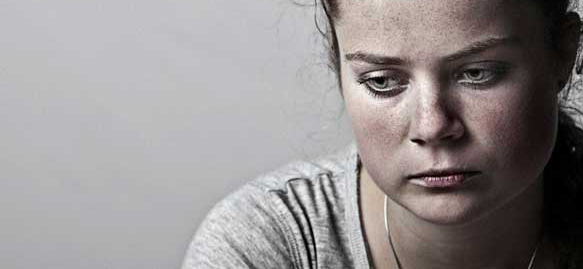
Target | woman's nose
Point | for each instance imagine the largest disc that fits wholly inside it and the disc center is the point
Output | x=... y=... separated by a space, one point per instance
x=435 y=120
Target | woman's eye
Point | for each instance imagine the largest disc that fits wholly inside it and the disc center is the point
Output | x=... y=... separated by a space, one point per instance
x=479 y=76
x=384 y=83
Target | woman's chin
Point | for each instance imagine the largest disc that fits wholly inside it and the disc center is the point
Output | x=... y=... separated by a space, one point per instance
x=446 y=209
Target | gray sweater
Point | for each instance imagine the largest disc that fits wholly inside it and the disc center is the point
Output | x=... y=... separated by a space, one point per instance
x=305 y=215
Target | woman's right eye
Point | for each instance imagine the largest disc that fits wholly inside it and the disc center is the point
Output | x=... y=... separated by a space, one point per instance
x=384 y=83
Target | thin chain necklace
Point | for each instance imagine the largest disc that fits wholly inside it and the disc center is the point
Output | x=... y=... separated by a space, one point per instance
x=532 y=257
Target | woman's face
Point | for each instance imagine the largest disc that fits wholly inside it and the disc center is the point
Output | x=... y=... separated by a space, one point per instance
x=456 y=85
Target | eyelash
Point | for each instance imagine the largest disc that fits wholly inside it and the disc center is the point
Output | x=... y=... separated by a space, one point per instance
x=367 y=78
x=495 y=72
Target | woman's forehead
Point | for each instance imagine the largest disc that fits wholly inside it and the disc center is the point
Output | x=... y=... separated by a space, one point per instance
x=416 y=8
x=428 y=13
x=429 y=24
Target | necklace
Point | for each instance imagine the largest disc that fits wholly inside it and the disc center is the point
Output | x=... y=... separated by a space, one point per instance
x=532 y=257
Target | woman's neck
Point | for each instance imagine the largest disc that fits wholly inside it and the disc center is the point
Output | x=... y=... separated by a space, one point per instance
x=504 y=238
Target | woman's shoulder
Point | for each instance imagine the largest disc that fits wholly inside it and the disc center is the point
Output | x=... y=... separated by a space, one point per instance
x=328 y=171
x=273 y=221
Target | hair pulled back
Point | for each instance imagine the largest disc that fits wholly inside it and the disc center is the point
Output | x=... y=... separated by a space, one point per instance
x=563 y=175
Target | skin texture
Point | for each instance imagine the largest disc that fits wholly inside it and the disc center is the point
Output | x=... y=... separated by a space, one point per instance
x=504 y=127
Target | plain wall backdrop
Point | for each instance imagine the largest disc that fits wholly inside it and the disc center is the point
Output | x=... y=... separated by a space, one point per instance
x=123 y=122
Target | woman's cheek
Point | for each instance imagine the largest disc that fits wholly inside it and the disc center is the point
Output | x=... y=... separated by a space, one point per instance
x=519 y=130
x=379 y=131
x=374 y=121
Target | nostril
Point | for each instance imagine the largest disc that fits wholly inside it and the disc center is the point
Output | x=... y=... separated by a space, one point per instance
x=446 y=133
x=418 y=141
x=449 y=137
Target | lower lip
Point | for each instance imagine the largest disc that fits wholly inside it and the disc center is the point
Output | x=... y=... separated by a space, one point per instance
x=448 y=181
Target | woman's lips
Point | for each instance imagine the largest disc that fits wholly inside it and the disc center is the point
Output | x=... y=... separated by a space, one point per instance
x=442 y=180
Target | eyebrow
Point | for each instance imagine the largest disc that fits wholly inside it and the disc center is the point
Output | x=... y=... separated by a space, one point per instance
x=472 y=49
x=373 y=58
x=481 y=46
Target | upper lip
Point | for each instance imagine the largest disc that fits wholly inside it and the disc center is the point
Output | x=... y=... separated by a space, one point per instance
x=441 y=173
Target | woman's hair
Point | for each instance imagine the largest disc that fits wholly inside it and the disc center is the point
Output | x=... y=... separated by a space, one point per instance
x=563 y=175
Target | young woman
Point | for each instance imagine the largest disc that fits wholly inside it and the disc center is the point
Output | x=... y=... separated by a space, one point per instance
x=465 y=154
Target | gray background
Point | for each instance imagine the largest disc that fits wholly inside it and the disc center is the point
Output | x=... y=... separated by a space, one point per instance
x=123 y=122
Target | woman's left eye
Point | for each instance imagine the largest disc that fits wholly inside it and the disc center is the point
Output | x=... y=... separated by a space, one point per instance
x=477 y=76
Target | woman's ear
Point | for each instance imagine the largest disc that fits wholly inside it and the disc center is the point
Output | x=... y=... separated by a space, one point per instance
x=567 y=45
